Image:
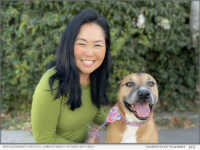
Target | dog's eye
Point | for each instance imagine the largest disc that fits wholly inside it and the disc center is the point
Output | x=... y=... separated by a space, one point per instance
x=130 y=84
x=150 y=83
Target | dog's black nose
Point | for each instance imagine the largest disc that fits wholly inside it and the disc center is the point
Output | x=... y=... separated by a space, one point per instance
x=143 y=94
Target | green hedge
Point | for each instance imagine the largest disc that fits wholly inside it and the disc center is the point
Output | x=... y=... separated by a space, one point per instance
x=30 y=32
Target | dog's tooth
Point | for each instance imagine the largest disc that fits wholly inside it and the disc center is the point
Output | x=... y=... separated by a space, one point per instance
x=133 y=107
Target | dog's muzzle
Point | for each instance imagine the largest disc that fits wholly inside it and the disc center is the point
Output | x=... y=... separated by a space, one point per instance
x=140 y=102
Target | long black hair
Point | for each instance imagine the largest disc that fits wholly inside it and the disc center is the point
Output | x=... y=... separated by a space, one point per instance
x=67 y=72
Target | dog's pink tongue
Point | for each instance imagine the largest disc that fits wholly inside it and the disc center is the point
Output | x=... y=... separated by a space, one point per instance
x=142 y=110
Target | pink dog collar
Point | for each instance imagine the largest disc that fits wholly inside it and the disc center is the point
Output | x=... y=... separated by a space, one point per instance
x=113 y=115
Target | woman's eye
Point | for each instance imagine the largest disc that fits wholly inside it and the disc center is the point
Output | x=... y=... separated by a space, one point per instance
x=81 y=43
x=130 y=84
x=97 y=45
x=151 y=83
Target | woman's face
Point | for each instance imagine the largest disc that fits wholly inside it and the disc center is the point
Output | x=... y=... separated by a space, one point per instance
x=89 y=48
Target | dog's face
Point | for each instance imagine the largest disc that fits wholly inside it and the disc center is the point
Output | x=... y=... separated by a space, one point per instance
x=138 y=94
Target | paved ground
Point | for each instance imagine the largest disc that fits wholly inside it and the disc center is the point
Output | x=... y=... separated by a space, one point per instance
x=166 y=136
x=180 y=136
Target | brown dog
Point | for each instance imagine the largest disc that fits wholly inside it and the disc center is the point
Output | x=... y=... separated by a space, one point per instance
x=137 y=96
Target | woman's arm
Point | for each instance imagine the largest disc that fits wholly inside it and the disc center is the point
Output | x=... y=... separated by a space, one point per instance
x=99 y=119
x=101 y=115
x=44 y=115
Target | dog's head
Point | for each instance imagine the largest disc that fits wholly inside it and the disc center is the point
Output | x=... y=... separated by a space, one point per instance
x=138 y=94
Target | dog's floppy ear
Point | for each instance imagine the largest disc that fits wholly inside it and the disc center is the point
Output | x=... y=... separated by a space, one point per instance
x=119 y=82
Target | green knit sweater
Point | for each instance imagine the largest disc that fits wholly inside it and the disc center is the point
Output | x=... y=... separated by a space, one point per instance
x=54 y=122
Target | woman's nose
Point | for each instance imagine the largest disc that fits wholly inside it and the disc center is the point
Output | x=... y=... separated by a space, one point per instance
x=89 y=51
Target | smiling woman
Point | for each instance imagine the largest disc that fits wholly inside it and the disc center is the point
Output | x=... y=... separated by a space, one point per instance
x=70 y=94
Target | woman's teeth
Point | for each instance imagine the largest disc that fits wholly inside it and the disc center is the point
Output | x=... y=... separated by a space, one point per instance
x=88 y=62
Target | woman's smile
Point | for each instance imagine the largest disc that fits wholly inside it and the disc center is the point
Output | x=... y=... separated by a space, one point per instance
x=88 y=63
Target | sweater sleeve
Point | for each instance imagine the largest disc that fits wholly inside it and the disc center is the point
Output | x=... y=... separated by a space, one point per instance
x=100 y=116
x=44 y=115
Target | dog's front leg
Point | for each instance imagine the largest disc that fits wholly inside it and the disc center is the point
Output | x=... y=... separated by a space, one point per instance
x=114 y=132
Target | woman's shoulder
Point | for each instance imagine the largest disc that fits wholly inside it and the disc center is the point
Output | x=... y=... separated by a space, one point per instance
x=48 y=73
x=43 y=96
x=44 y=81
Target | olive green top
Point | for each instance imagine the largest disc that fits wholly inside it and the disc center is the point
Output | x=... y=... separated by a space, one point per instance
x=54 y=122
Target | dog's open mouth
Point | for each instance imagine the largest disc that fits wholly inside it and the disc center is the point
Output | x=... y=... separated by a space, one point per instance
x=141 y=111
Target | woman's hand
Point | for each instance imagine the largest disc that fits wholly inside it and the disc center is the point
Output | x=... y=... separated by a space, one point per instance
x=93 y=136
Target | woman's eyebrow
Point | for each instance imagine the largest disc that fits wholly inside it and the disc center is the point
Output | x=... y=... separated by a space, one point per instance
x=81 y=39
x=98 y=41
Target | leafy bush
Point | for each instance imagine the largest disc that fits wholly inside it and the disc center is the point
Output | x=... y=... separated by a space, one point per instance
x=161 y=46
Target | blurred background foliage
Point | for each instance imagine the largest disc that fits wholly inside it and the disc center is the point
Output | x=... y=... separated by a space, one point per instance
x=161 y=46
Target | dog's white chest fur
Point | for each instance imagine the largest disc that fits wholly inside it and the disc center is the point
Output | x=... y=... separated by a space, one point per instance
x=129 y=135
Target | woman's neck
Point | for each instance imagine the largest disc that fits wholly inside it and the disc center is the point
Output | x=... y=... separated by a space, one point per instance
x=84 y=79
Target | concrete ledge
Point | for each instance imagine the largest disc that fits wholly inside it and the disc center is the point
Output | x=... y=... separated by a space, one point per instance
x=17 y=136
x=166 y=136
